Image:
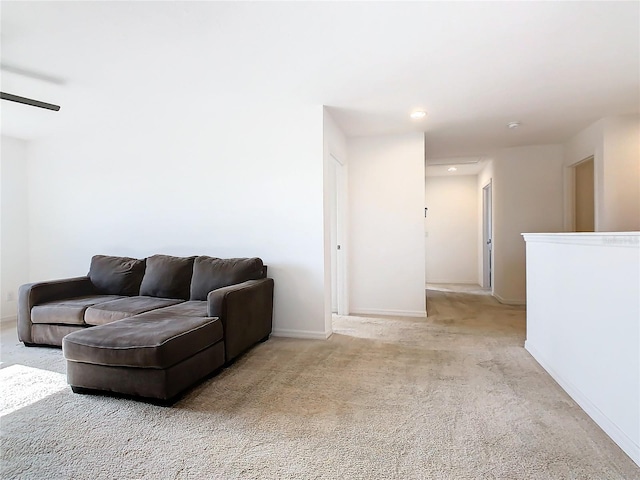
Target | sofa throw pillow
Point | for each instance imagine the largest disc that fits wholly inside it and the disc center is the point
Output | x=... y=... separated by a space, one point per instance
x=116 y=275
x=210 y=273
x=167 y=277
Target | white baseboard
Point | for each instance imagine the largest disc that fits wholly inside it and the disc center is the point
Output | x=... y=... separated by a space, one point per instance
x=307 y=334
x=509 y=301
x=391 y=313
x=8 y=319
x=621 y=439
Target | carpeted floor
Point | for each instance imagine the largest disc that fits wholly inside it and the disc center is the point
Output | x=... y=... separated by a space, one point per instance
x=454 y=396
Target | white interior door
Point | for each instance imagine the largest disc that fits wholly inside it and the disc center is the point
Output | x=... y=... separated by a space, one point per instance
x=487 y=247
x=339 y=302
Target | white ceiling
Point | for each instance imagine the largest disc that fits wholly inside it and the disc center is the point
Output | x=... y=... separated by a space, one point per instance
x=473 y=66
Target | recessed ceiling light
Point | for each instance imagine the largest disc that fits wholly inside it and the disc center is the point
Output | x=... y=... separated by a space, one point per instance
x=418 y=114
x=452 y=169
x=513 y=125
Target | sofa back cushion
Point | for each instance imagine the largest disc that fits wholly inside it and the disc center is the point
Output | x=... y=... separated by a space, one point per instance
x=211 y=273
x=167 y=277
x=116 y=275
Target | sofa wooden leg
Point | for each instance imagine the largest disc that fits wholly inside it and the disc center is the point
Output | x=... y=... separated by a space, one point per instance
x=80 y=390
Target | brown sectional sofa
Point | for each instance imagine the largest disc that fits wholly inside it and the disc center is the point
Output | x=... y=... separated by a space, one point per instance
x=149 y=328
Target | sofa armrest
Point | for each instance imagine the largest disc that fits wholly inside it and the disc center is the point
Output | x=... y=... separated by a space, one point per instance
x=246 y=312
x=35 y=293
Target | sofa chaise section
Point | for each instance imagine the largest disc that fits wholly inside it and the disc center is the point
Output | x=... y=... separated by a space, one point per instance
x=149 y=357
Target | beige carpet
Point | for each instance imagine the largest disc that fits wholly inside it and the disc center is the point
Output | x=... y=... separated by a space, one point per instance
x=454 y=396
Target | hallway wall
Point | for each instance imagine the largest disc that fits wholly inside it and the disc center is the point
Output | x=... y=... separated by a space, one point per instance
x=527 y=197
x=386 y=224
x=451 y=229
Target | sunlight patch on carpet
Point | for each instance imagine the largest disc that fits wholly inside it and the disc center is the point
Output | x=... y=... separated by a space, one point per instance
x=21 y=386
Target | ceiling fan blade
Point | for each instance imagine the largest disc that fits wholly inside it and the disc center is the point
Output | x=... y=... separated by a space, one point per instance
x=28 y=101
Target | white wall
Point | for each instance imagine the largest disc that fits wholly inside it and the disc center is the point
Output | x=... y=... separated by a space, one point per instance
x=451 y=243
x=614 y=142
x=14 y=242
x=187 y=176
x=335 y=225
x=386 y=224
x=583 y=306
x=527 y=197
x=484 y=178
x=621 y=174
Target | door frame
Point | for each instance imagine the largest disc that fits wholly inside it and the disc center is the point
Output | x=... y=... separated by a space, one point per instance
x=573 y=190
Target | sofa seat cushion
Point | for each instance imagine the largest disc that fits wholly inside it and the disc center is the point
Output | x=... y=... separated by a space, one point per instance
x=191 y=308
x=69 y=311
x=124 y=307
x=143 y=342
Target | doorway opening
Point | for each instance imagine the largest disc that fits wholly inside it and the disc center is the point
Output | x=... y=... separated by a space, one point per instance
x=487 y=240
x=584 y=196
x=453 y=228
